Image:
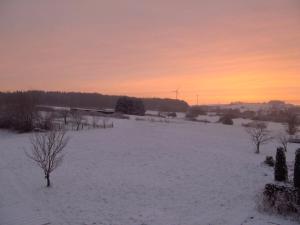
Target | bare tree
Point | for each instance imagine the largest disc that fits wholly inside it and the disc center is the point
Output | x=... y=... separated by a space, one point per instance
x=47 y=150
x=259 y=134
x=283 y=140
x=77 y=119
x=65 y=113
x=105 y=123
x=95 y=121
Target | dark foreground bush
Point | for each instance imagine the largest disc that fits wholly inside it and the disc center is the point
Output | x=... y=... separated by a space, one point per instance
x=280 y=199
x=270 y=161
x=297 y=169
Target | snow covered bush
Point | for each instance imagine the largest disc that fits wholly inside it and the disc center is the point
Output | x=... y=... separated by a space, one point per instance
x=281 y=171
x=280 y=199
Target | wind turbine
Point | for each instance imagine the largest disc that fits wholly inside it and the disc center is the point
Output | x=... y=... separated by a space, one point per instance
x=176 y=93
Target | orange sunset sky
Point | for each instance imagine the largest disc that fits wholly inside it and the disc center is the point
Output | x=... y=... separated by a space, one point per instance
x=222 y=50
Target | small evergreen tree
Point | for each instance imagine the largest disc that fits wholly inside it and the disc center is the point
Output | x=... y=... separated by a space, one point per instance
x=281 y=172
x=297 y=169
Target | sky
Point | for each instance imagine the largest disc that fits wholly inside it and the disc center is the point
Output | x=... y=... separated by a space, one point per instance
x=220 y=50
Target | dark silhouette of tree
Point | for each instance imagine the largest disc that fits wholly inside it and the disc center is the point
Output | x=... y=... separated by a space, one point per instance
x=280 y=172
x=18 y=111
x=297 y=169
x=131 y=106
x=96 y=100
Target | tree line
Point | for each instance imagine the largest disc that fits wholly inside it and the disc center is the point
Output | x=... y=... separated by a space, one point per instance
x=92 y=100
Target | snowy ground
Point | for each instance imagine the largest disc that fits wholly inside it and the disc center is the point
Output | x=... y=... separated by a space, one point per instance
x=142 y=173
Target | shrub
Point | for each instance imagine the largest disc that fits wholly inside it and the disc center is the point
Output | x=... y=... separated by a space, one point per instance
x=270 y=161
x=172 y=114
x=280 y=172
x=130 y=106
x=297 y=169
x=281 y=199
x=226 y=119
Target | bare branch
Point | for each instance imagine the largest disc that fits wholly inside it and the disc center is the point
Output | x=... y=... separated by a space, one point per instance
x=283 y=140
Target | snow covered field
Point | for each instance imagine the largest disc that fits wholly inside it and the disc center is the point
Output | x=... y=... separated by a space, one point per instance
x=142 y=173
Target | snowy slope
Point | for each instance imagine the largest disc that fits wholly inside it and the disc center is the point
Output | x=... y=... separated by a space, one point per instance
x=144 y=173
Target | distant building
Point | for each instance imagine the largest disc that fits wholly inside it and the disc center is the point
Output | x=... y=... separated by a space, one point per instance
x=277 y=104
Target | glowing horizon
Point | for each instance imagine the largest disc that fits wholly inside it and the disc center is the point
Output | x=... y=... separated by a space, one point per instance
x=224 y=51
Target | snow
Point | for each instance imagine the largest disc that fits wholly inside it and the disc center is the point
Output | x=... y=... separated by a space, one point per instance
x=142 y=173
